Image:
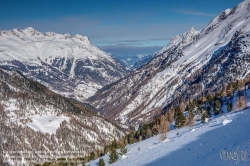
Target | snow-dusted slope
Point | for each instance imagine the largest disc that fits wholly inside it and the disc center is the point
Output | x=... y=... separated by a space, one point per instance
x=70 y=65
x=35 y=119
x=191 y=64
x=224 y=140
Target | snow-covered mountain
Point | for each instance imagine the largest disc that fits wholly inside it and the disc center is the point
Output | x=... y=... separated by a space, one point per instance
x=135 y=61
x=69 y=65
x=143 y=61
x=192 y=64
x=35 y=120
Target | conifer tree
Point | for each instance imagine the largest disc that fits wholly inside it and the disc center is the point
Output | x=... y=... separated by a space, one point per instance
x=204 y=116
x=92 y=156
x=229 y=106
x=131 y=138
x=113 y=156
x=217 y=106
x=101 y=162
x=124 y=150
x=180 y=119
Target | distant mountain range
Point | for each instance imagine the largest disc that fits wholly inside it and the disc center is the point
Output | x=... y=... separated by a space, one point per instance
x=69 y=65
x=135 y=61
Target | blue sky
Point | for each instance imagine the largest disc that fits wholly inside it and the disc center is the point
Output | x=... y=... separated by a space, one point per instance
x=120 y=27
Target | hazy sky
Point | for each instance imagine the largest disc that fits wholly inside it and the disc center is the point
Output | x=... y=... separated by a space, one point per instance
x=117 y=26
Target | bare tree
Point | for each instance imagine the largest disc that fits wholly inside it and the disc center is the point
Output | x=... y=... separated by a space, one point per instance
x=182 y=106
x=241 y=103
x=162 y=137
x=190 y=119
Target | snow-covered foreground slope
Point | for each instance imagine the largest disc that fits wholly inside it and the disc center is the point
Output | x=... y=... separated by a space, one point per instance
x=203 y=144
x=193 y=63
x=70 y=65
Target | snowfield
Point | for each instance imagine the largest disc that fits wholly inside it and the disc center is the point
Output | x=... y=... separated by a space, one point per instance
x=202 y=145
x=211 y=143
x=47 y=123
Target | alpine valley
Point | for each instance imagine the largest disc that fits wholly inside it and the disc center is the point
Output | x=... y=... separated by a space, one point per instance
x=60 y=93
x=191 y=65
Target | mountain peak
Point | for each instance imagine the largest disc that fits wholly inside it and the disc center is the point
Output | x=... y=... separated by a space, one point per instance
x=81 y=38
x=189 y=34
x=29 y=29
x=191 y=30
x=181 y=38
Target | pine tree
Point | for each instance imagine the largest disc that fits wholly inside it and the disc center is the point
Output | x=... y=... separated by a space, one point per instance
x=92 y=156
x=113 y=156
x=180 y=119
x=217 y=106
x=101 y=162
x=106 y=149
x=131 y=138
x=229 y=89
x=208 y=110
x=204 y=116
x=114 y=144
x=229 y=106
x=123 y=150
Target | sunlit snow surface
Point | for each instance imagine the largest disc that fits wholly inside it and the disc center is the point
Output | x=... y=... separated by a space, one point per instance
x=200 y=145
x=47 y=123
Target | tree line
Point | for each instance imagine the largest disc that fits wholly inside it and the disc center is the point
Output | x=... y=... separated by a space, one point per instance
x=205 y=107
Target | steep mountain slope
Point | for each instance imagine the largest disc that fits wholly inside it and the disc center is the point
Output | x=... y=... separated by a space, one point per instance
x=223 y=140
x=35 y=121
x=191 y=64
x=69 y=65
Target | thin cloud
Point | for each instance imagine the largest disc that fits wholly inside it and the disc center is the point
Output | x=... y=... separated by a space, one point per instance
x=137 y=42
x=195 y=13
